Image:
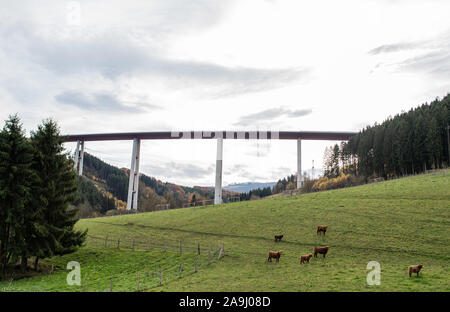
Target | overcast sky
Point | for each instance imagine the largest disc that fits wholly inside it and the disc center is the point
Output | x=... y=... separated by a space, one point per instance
x=113 y=66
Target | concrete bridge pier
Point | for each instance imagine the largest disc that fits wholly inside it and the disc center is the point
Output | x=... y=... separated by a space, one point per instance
x=80 y=169
x=299 y=164
x=133 y=182
x=219 y=157
x=76 y=156
x=79 y=157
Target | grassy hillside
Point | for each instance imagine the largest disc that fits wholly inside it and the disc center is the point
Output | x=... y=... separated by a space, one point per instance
x=397 y=223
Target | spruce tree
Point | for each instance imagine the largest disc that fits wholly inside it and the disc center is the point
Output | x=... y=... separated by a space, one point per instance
x=15 y=179
x=57 y=188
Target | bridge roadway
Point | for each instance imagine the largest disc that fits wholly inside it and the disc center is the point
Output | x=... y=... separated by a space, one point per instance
x=247 y=135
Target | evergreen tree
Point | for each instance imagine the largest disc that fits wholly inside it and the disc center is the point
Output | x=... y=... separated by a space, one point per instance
x=432 y=144
x=56 y=188
x=15 y=178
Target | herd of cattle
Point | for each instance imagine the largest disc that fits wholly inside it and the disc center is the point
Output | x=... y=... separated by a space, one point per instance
x=324 y=250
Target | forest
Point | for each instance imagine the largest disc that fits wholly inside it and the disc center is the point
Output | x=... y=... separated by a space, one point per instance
x=408 y=143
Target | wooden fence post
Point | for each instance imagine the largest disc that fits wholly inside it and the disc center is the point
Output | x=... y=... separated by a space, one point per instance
x=118 y=243
x=198 y=249
x=160 y=276
x=139 y=277
x=111 y=284
x=84 y=282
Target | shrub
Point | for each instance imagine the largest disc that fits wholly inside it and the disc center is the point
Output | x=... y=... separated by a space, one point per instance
x=344 y=180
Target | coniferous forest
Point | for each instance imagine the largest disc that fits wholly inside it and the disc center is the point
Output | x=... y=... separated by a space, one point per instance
x=408 y=143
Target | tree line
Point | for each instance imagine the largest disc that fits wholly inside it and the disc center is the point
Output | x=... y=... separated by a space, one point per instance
x=88 y=193
x=408 y=143
x=37 y=183
x=257 y=193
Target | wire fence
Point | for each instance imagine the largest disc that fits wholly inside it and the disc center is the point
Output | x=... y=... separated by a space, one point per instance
x=159 y=207
x=164 y=244
x=156 y=275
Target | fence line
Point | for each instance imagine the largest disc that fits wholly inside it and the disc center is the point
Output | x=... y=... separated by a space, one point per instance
x=156 y=275
x=159 y=207
x=166 y=244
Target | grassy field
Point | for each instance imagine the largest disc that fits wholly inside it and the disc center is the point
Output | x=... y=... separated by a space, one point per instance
x=396 y=223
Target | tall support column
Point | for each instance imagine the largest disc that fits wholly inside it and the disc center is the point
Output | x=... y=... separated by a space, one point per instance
x=131 y=179
x=81 y=159
x=299 y=164
x=76 y=156
x=218 y=190
x=136 y=174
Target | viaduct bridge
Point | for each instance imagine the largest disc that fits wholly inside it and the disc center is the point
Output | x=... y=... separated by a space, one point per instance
x=136 y=137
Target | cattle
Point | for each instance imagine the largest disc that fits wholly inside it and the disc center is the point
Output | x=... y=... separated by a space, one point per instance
x=274 y=254
x=278 y=237
x=415 y=269
x=322 y=228
x=305 y=258
x=321 y=250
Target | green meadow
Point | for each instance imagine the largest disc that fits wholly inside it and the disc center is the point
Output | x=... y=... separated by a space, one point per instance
x=397 y=223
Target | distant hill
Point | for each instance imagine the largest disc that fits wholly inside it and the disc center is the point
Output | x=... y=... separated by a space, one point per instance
x=103 y=189
x=248 y=186
x=251 y=186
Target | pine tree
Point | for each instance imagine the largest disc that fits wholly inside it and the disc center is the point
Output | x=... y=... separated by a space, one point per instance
x=432 y=144
x=15 y=178
x=57 y=188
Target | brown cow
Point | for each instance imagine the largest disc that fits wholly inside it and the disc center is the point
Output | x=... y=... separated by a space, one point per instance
x=415 y=269
x=274 y=254
x=278 y=237
x=305 y=258
x=321 y=250
x=322 y=228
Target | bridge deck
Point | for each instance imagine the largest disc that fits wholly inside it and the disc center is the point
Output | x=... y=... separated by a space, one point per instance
x=248 y=135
